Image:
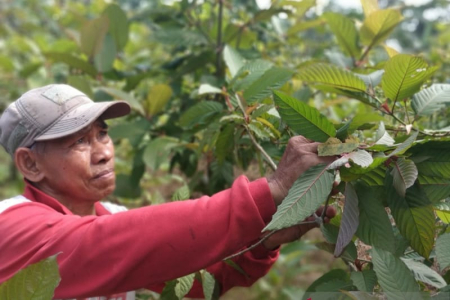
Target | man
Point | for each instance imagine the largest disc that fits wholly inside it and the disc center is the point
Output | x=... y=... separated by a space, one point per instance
x=59 y=142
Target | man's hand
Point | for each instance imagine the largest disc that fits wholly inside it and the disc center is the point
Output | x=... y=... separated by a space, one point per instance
x=299 y=156
x=293 y=233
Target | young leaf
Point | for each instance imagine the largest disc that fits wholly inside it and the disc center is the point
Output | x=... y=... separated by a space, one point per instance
x=306 y=195
x=431 y=99
x=345 y=32
x=442 y=210
x=121 y=95
x=36 y=282
x=378 y=25
x=233 y=60
x=324 y=75
x=404 y=75
x=413 y=215
x=442 y=250
x=424 y=273
x=374 y=225
x=394 y=277
x=405 y=174
x=365 y=280
x=334 y=146
x=350 y=219
x=199 y=113
x=373 y=79
x=369 y=6
x=272 y=79
x=303 y=119
x=383 y=137
x=157 y=98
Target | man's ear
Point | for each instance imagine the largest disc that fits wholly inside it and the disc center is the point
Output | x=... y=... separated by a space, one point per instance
x=25 y=160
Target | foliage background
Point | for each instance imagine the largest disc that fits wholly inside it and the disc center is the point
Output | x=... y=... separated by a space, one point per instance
x=158 y=54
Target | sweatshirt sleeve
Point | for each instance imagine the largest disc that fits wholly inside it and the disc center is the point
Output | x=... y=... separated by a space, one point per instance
x=101 y=255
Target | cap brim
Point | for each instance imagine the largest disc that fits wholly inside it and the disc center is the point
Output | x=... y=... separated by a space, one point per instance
x=82 y=116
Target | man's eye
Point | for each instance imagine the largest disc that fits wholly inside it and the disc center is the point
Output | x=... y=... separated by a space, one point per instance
x=104 y=133
x=80 y=141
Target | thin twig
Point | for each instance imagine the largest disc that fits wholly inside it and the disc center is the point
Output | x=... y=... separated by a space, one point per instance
x=271 y=163
x=262 y=240
x=219 y=46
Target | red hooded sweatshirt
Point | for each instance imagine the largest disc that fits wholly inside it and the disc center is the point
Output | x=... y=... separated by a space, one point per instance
x=111 y=253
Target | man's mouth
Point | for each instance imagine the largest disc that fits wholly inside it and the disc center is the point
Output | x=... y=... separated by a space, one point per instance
x=104 y=174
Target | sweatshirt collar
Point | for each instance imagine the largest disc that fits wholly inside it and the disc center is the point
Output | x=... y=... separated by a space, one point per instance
x=34 y=194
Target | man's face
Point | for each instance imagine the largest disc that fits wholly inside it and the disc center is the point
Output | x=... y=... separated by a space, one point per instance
x=79 y=167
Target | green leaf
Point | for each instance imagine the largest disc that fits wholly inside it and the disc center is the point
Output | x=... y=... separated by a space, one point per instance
x=181 y=193
x=413 y=215
x=373 y=79
x=178 y=288
x=431 y=99
x=436 y=188
x=233 y=60
x=208 y=89
x=303 y=119
x=337 y=276
x=334 y=146
x=424 y=273
x=225 y=142
x=404 y=75
x=81 y=83
x=249 y=73
x=365 y=280
x=378 y=25
x=72 y=61
x=35 y=282
x=158 y=150
x=306 y=195
x=118 y=25
x=157 y=98
x=324 y=75
x=369 y=6
x=345 y=32
x=442 y=210
x=121 y=95
x=199 y=113
x=350 y=219
x=403 y=147
x=383 y=137
x=394 y=277
x=374 y=225
x=360 y=157
x=104 y=59
x=92 y=35
x=442 y=250
x=261 y=88
x=209 y=285
x=404 y=174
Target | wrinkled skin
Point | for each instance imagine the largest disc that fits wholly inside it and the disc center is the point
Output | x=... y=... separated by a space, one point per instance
x=299 y=156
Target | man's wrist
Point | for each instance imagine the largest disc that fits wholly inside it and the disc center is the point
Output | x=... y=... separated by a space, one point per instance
x=277 y=191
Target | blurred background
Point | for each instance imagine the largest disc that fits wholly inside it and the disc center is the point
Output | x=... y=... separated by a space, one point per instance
x=165 y=57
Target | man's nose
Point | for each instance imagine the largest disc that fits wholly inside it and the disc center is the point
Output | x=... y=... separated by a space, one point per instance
x=102 y=151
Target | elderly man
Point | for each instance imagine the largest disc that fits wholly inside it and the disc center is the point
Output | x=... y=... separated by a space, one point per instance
x=59 y=141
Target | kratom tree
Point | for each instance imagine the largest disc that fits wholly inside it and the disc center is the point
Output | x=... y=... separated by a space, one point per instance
x=222 y=86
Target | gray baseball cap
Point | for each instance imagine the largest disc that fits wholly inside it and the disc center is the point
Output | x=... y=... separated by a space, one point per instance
x=52 y=112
